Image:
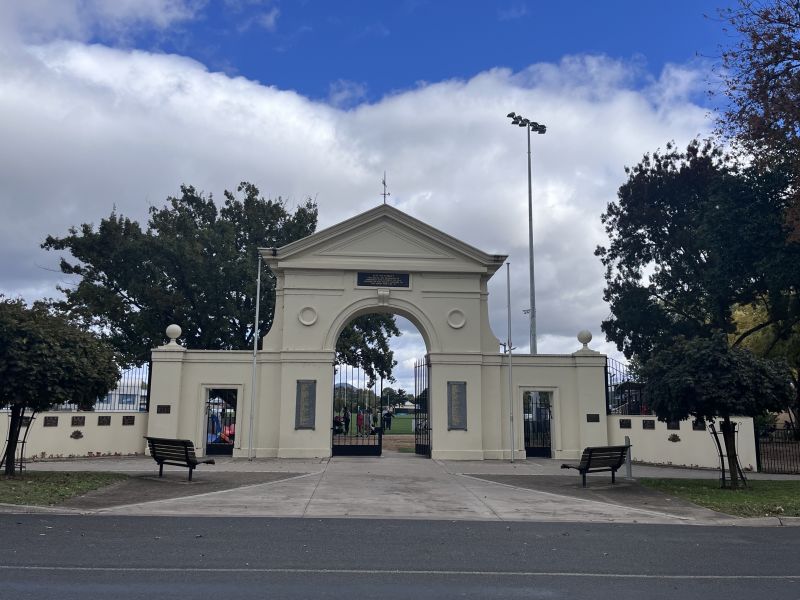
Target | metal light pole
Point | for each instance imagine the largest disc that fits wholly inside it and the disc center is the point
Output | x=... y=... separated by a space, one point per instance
x=529 y=126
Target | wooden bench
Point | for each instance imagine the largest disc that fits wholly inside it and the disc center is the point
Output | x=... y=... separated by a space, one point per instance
x=600 y=458
x=175 y=452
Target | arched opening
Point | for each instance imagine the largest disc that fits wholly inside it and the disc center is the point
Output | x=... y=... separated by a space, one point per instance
x=380 y=398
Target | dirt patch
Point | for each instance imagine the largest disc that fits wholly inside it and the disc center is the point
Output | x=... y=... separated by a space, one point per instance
x=395 y=443
x=147 y=488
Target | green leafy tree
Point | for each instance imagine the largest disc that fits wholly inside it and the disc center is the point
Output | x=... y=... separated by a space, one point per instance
x=779 y=341
x=365 y=343
x=706 y=378
x=46 y=360
x=761 y=80
x=692 y=236
x=695 y=236
x=194 y=264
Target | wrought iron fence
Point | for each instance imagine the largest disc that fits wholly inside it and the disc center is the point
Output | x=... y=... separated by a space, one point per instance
x=625 y=395
x=778 y=450
x=131 y=394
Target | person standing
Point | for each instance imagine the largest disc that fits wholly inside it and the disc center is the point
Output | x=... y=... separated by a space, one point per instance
x=387 y=420
x=346 y=420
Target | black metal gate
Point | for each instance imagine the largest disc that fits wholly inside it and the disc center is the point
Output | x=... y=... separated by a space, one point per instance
x=357 y=413
x=536 y=412
x=422 y=425
x=221 y=421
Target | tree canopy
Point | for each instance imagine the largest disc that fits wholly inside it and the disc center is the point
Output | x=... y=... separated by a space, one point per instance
x=693 y=234
x=194 y=264
x=761 y=81
x=46 y=360
x=706 y=378
x=696 y=239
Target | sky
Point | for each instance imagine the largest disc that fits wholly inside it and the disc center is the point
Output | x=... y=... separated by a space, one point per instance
x=113 y=104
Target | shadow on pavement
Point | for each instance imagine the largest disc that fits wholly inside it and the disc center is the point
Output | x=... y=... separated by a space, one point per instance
x=148 y=488
x=622 y=493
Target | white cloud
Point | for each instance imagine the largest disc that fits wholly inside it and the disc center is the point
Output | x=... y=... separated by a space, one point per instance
x=46 y=20
x=93 y=128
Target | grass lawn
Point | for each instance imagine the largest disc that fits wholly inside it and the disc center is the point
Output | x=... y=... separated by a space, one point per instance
x=760 y=499
x=401 y=424
x=46 y=488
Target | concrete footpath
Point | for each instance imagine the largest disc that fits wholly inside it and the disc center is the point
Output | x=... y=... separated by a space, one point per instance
x=395 y=485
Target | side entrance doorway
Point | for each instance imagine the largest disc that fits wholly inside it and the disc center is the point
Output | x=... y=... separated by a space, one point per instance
x=536 y=407
x=221 y=420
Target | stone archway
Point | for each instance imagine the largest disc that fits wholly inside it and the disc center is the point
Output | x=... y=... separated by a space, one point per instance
x=380 y=260
x=386 y=261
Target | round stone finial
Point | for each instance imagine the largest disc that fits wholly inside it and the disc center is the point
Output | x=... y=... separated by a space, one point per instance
x=584 y=337
x=173 y=333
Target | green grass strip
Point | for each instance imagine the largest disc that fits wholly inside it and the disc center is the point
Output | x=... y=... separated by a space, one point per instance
x=760 y=498
x=48 y=488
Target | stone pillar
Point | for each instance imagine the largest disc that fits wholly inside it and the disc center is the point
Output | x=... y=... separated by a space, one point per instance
x=591 y=388
x=165 y=387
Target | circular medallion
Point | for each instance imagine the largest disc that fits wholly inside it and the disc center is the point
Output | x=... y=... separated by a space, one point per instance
x=456 y=318
x=307 y=316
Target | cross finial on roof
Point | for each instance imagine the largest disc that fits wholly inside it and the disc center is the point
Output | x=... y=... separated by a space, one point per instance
x=385 y=194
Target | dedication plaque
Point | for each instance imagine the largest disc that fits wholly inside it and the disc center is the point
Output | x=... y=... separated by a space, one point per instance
x=306 y=407
x=457 y=405
x=390 y=280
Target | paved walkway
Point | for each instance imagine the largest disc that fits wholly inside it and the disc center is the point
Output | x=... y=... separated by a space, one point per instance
x=395 y=485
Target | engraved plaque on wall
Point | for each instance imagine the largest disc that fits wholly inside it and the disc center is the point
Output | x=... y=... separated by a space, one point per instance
x=128 y=420
x=78 y=421
x=386 y=280
x=104 y=420
x=51 y=422
x=457 y=405
x=306 y=404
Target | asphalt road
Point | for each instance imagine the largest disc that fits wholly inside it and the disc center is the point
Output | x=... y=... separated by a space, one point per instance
x=75 y=557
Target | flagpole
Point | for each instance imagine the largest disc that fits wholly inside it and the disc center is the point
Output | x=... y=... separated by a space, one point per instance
x=255 y=351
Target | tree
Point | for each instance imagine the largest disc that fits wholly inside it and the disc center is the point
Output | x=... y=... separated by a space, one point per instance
x=194 y=264
x=46 y=360
x=761 y=79
x=693 y=235
x=779 y=341
x=365 y=343
x=706 y=378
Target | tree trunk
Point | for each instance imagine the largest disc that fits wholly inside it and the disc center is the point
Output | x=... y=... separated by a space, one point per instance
x=17 y=411
x=729 y=437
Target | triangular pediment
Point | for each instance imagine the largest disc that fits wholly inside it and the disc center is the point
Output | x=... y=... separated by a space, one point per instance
x=385 y=238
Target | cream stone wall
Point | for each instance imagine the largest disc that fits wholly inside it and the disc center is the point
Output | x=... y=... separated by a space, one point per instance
x=695 y=448
x=95 y=440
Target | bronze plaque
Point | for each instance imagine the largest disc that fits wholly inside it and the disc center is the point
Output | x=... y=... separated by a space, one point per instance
x=457 y=405
x=163 y=409
x=104 y=420
x=78 y=421
x=128 y=419
x=648 y=424
x=51 y=422
x=306 y=404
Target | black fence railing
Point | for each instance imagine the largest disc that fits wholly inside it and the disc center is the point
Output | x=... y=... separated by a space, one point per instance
x=131 y=394
x=625 y=395
x=778 y=450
